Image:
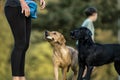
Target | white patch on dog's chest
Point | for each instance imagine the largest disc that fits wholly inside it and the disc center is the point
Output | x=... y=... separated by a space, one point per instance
x=64 y=52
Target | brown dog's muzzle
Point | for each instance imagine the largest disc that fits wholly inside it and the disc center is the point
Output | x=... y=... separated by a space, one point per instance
x=46 y=33
x=47 y=36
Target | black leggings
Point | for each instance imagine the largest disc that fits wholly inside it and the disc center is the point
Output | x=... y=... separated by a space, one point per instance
x=21 y=29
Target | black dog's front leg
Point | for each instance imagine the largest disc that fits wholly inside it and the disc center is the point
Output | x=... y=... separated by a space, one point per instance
x=81 y=71
x=89 y=71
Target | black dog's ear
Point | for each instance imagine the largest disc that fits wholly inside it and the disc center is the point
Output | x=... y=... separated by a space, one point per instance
x=89 y=32
x=87 y=37
x=86 y=29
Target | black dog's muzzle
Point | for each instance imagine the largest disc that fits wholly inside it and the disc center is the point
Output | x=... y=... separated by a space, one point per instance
x=72 y=35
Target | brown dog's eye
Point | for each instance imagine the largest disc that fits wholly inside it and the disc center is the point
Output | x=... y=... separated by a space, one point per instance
x=54 y=33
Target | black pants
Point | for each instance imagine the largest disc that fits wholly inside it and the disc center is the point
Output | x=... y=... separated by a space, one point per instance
x=21 y=29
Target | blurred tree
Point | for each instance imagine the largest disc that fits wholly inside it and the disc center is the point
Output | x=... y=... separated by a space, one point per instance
x=5 y=47
x=66 y=15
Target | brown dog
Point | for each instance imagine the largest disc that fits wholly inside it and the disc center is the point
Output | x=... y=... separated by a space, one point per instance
x=63 y=56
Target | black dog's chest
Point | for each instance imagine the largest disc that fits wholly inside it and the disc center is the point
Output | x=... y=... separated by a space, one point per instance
x=93 y=55
x=99 y=55
x=84 y=53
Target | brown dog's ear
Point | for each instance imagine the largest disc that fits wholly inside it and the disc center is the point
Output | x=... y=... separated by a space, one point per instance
x=62 y=40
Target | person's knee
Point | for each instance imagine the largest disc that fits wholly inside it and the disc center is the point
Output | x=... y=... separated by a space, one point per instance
x=22 y=45
x=26 y=46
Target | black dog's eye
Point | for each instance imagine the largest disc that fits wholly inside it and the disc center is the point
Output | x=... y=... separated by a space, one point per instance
x=81 y=31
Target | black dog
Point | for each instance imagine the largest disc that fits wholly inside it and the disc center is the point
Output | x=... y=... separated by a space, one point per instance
x=93 y=54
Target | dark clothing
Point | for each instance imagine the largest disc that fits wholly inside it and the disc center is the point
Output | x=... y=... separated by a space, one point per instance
x=12 y=3
x=21 y=29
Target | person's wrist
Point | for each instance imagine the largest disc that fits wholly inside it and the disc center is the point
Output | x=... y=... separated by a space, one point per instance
x=21 y=1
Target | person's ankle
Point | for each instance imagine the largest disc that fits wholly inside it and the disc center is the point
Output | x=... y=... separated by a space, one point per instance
x=22 y=78
x=15 y=78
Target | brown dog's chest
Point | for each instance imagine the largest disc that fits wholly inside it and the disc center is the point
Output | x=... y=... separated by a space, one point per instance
x=62 y=57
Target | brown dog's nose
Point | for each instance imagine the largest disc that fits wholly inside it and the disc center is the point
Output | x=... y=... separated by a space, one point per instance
x=46 y=33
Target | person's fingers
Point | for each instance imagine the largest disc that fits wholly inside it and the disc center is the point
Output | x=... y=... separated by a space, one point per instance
x=43 y=5
x=25 y=9
x=22 y=6
x=22 y=11
x=41 y=2
x=27 y=12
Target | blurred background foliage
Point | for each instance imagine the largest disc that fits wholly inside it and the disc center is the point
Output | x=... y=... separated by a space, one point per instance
x=62 y=16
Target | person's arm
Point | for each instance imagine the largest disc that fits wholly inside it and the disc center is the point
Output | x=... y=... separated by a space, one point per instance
x=91 y=28
x=25 y=8
x=89 y=25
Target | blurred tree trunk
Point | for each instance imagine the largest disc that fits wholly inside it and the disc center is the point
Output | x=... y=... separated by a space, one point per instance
x=118 y=22
x=119 y=28
x=1 y=5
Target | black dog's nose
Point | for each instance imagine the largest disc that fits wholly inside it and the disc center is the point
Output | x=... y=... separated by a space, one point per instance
x=71 y=33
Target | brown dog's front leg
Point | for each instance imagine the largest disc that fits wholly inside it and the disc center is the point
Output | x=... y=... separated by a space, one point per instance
x=64 y=72
x=56 y=72
x=75 y=75
x=75 y=70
